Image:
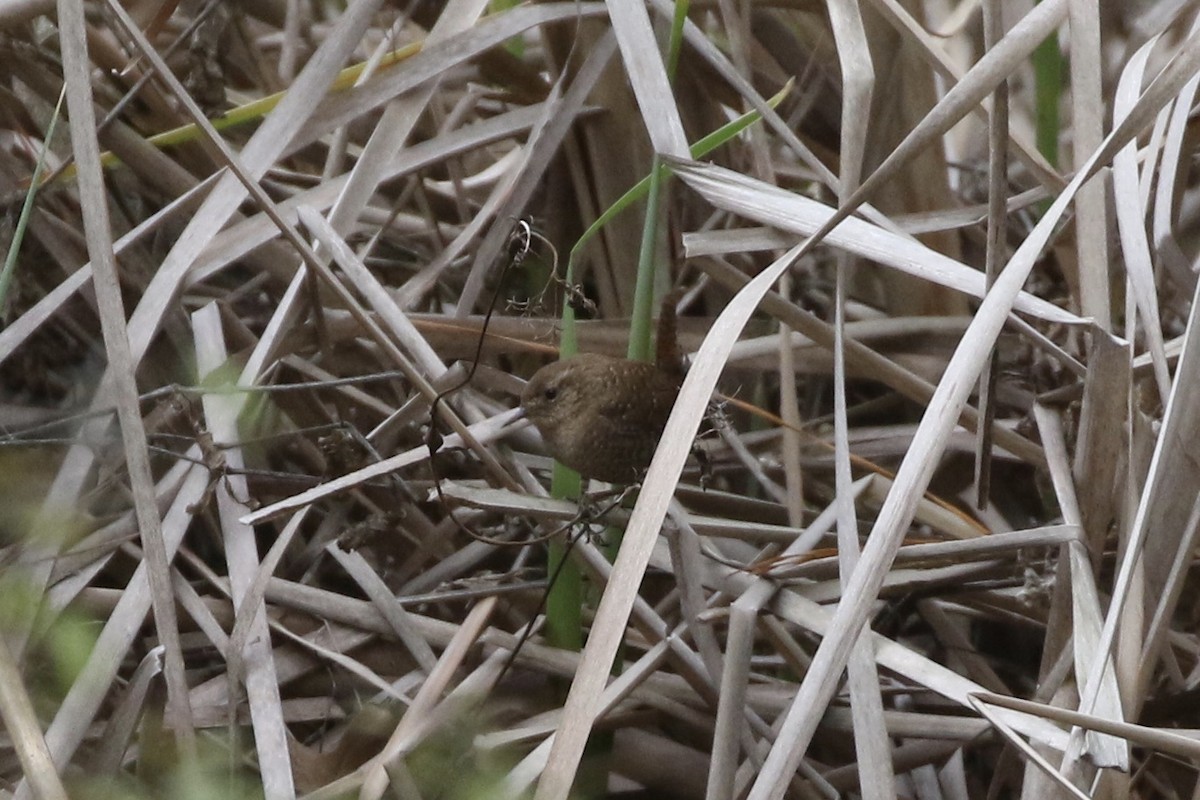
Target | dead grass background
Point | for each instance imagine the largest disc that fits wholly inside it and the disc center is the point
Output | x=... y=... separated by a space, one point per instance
x=224 y=566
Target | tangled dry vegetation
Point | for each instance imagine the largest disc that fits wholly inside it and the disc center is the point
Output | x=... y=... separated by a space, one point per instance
x=940 y=280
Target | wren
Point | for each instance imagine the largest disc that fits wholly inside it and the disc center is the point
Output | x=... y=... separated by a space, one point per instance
x=601 y=416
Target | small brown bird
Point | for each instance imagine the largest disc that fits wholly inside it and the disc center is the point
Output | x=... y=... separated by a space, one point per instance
x=601 y=416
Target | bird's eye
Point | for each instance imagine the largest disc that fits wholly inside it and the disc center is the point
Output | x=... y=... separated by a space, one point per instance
x=550 y=392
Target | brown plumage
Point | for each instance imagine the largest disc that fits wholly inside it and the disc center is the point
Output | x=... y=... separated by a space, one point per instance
x=599 y=415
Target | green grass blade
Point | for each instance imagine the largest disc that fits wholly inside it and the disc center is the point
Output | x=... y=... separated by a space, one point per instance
x=10 y=258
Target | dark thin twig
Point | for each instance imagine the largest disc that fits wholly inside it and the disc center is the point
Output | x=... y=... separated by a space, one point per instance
x=519 y=243
x=129 y=96
x=189 y=390
x=528 y=630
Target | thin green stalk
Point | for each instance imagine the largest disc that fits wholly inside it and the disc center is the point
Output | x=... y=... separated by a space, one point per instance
x=675 y=45
x=641 y=330
x=1048 y=82
x=640 y=326
x=10 y=258
x=640 y=189
x=565 y=598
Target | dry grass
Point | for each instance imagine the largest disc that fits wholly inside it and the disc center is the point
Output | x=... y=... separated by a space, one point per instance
x=944 y=545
